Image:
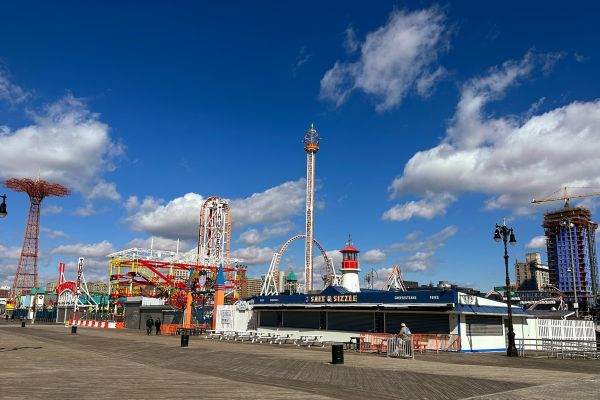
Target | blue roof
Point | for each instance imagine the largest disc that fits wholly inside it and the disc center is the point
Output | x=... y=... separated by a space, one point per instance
x=487 y=310
x=333 y=290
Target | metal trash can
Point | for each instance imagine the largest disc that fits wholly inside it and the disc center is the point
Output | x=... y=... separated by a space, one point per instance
x=73 y=330
x=337 y=354
x=185 y=339
x=22 y=324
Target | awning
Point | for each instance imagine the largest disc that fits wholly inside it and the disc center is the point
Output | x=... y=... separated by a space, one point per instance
x=487 y=310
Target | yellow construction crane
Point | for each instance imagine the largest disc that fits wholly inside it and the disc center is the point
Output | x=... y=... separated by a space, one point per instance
x=565 y=196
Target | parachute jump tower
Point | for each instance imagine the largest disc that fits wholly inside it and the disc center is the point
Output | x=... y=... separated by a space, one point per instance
x=26 y=277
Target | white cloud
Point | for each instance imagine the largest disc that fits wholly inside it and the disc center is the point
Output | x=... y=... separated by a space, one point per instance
x=67 y=143
x=104 y=190
x=53 y=234
x=537 y=242
x=179 y=218
x=10 y=253
x=426 y=208
x=251 y=237
x=393 y=59
x=423 y=251
x=85 y=211
x=278 y=229
x=254 y=236
x=159 y=243
x=579 y=57
x=420 y=261
x=9 y=257
x=373 y=256
x=93 y=250
x=350 y=43
x=9 y=91
x=427 y=81
x=272 y=205
x=253 y=255
x=302 y=58
x=51 y=209
x=94 y=268
x=413 y=235
x=510 y=159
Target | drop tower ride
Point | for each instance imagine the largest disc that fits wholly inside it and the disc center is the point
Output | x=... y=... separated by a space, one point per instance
x=311 y=146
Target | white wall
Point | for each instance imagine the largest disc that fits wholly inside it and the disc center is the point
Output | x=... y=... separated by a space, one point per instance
x=233 y=318
x=479 y=343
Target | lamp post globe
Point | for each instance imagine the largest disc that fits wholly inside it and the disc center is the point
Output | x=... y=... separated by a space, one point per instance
x=508 y=236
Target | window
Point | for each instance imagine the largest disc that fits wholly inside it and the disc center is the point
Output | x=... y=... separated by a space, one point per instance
x=418 y=323
x=379 y=322
x=270 y=318
x=480 y=325
x=323 y=320
x=301 y=319
x=350 y=321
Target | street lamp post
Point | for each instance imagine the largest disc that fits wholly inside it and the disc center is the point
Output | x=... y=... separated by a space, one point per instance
x=507 y=235
x=3 y=206
x=567 y=223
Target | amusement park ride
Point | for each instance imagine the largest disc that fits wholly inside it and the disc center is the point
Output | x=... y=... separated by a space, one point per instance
x=203 y=278
x=184 y=281
x=73 y=293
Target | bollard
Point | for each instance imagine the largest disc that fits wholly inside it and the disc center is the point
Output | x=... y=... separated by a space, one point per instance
x=337 y=354
x=22 y=324
x=73 y=330
x=185 y=340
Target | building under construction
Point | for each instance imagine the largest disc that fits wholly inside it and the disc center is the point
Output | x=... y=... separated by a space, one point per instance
x=572 y=260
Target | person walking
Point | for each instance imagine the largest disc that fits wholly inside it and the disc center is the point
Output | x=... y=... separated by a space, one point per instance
x=157 y=324
x=149 y=325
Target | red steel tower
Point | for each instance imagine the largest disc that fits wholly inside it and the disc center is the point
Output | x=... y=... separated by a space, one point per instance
x=26 y=277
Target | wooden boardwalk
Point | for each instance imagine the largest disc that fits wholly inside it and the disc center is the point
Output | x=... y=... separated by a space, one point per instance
x=46 y=362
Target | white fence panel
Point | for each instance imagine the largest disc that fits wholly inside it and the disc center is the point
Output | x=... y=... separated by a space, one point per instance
x=560 y=329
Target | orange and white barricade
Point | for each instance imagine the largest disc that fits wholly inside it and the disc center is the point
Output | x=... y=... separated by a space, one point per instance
x=96 y=324
x=374 y=342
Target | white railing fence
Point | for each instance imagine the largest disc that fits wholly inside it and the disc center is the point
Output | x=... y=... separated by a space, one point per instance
x=400 y=347
x=561 y=329
x=559 y=348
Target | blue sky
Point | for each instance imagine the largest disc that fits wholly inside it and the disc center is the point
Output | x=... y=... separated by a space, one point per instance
x=437 y=119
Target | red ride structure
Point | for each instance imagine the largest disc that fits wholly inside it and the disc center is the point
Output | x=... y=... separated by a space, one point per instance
x=26 y=277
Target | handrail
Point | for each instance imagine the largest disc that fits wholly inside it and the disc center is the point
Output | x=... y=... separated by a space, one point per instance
x=560 y=348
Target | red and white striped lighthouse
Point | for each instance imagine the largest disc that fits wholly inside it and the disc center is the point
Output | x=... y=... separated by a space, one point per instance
x=350 y=267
